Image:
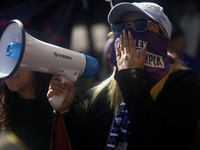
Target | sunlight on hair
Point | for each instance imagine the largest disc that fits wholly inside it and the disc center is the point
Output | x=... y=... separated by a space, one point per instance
x=114 y=95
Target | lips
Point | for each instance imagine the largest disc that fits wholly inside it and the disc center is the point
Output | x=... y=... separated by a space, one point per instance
x=12 y=78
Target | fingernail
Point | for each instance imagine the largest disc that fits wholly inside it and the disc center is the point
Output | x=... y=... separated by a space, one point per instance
x=62 y=81
x=129 y=33
x=60 y=93
x=144 y=46
x=63 y=91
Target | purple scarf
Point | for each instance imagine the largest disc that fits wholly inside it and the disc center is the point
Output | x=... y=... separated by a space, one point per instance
x=156 y=60
x=119 y=133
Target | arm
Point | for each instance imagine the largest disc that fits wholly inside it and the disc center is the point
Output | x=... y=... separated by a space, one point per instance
x=66 y=120
x=176 y=108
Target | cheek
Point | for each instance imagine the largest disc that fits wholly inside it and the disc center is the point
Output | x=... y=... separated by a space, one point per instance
x=13 y=86
x=152 y=28
x=19 y=84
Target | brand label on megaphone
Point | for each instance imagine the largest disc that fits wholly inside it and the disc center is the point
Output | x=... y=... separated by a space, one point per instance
x=62 y=55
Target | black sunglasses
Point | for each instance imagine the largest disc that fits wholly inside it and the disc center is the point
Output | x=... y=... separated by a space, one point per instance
x=139 y=25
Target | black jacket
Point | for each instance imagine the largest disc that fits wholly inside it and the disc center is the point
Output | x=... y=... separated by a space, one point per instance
x=72 y=119
x=169 y=123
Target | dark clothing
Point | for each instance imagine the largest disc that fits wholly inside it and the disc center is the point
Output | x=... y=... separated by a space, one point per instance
x=72 y=119
x=31 y=123
x=34 y=123
x=169 y=123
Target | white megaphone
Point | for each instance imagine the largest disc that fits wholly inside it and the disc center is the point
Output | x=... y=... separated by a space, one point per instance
x=19 y=51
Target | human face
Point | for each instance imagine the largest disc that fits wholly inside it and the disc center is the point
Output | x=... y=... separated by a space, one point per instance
x=152 y=27
x=22 y=82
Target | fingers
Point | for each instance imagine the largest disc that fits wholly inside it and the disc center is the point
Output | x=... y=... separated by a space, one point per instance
x=132 y=45
x=121 y=44
x=70 y=86
x=56 y=82
x=55 y=90
x=57 y=77
x=142 y=54
x=52 y=92
x=56 y=87
x=119 y=50
x=69 y=97
x=125 y=43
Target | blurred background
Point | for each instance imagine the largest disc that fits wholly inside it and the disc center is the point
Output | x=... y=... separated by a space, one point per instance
x=81 y=25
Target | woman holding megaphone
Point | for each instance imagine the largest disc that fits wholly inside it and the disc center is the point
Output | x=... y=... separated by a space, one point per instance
x=24 y=107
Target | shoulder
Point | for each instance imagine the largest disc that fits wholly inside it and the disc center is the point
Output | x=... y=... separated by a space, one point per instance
x=79 y=112
x=185 y=75
x=182 y=80
x=79 y=108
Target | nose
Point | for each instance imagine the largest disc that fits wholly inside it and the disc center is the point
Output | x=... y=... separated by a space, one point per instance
x=129 y=24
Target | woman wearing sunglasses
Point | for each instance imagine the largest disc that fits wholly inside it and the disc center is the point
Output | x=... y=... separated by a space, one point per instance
x=146 y=103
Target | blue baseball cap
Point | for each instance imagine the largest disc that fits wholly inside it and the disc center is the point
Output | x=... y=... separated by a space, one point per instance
x=152 y=10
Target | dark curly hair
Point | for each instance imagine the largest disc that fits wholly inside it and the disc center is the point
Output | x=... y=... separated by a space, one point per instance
x=9 y=100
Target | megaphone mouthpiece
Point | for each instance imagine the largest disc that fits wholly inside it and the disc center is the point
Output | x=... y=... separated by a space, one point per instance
x=13 y=50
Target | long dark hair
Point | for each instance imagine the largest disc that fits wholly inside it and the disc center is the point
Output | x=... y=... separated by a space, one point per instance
x=9 y=106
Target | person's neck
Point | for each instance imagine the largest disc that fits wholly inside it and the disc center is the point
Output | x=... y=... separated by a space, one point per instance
x=27 y=94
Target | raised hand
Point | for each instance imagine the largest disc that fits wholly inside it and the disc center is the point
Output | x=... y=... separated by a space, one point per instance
x=127 y=56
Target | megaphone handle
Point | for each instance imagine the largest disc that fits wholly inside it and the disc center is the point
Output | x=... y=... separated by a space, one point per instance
x=57 y=100
x=67 y=75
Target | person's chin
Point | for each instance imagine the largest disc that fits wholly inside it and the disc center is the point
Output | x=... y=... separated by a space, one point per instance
x=13 y=89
